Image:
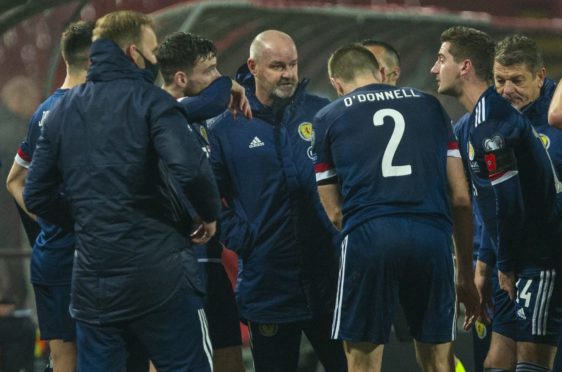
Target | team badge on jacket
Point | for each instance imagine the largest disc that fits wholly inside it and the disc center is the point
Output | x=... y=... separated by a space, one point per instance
x=305 y=131
x=545 y=140
x=268 y=330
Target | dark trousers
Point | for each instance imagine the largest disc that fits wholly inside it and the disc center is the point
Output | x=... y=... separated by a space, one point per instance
x=17 y=344
x=275 y=347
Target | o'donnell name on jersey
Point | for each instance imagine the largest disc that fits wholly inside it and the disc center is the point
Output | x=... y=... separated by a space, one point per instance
x=379 y=96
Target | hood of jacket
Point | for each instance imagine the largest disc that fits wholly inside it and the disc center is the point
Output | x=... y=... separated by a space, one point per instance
x=109 y=62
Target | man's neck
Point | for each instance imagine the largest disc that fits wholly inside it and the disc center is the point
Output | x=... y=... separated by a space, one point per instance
x=73 y=79
x=173 y=90
x=264 y=98
x=471 y=93
x=359 y=82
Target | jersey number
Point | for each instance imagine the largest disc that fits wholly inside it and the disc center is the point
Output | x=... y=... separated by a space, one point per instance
x=525 y=294
x=389 y=170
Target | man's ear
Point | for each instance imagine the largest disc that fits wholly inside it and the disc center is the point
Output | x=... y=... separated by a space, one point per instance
x=381 y=76
x=252 y=66
x=466 y=67
x=541 y=74
x=132 y=52
x=396 y=70
x=336 y=83
x=180 y=79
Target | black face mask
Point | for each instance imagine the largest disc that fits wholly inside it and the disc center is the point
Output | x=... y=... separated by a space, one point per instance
x=150 y=69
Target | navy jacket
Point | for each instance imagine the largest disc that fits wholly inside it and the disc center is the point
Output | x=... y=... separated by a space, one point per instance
x=537 y=113
x=273 y=219
x=208 y=104
x=102 y=143
x=483 y=248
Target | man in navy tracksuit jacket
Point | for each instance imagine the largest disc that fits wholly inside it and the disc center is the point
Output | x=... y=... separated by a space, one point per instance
x=272 y=216
x=520 y=78
x=188 y=64
x=135 y=280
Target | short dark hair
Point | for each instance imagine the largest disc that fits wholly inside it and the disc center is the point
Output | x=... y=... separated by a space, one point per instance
x=389 y=49
x=182 y=51
x=519 y=49
x=350 y=59
x=75 y=43
x=124 y=27
x=473 y=44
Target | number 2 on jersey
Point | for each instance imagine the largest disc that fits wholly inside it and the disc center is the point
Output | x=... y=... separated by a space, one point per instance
x=389 y=170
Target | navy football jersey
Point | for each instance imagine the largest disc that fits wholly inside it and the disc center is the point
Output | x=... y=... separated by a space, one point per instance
x=522 y=214
x=388 y=148
x=53 y=251
x=483 y=248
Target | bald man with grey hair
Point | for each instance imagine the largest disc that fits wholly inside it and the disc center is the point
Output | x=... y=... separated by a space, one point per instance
x=273 y=62
x=273 y=218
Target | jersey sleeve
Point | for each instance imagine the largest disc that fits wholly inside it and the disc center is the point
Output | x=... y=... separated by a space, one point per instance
x=486 y=252
x=324 y=167
x=23 y=155
x=26 y=148
x=211 y=102
x=42 y=193
x=452 y=141
x=494 y=144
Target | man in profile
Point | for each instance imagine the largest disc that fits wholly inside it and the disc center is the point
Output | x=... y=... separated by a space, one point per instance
x=518 y=194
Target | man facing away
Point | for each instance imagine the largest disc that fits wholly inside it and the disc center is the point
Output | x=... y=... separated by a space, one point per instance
x=53 y=250
x=273 y=218
x=135 y=283
x=189 y=67
x=517 y=191
x=386 y=157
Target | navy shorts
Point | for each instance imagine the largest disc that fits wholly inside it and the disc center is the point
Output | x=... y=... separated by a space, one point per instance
x=220 y=307
x=174 y=337
x=504 y=321
x=53 y=315
x=388 y=260
x=538 y=306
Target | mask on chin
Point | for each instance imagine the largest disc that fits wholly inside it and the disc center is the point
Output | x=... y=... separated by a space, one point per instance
x=151 y=70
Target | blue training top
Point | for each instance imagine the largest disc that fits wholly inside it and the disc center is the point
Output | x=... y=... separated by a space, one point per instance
x=523 y=213
x=53 y=251
x=388 y=147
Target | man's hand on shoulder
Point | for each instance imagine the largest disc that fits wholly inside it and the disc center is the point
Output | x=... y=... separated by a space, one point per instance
x=238 y=101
